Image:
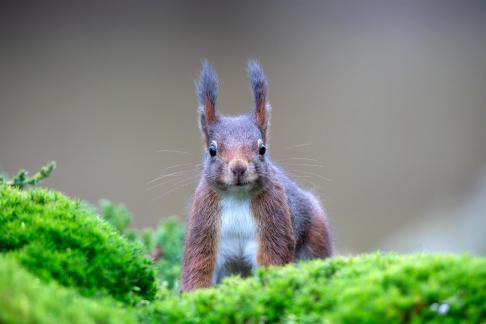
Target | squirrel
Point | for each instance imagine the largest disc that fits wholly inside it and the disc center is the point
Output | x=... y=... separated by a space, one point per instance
x=246 y=213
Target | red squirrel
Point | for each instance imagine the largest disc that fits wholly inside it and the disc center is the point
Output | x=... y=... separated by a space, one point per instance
x=246 y=212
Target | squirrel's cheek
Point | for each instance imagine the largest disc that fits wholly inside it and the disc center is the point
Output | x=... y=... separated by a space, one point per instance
x=225 y=176
x=251 y=175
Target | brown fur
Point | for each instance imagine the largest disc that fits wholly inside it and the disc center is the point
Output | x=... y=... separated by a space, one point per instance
x=201 y=241
x=318 y=238
x=210 y=112
x=276 y=242
x=261 y=117
x=290 y=224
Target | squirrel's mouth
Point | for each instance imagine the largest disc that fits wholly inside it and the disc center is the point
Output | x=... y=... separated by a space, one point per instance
x=239 y=183
x=239 y=187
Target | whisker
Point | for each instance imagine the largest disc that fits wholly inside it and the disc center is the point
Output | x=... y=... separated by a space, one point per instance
x=193 y=177
x=172 y=174
x=303 y=164
x=179 y=185
x=299 y=159
x=171 y=182
x=174 y=151
x=305 y=178
x=301 y=176
x=291 y=147
x=311 y=174
x=180 y=165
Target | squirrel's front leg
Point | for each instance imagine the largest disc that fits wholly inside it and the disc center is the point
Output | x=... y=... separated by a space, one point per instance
x=201 y=241
x=276 y=242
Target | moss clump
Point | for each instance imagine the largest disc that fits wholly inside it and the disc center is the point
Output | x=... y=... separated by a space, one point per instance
x=169 y=238
x=45 y=235
x=62 y=239
x=366 y=289
x=25 y=299
x=164 y=244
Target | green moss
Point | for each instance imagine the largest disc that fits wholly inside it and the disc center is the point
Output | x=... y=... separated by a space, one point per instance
x=58 y=238
x=371 y=288
x=168 y=239
x=25 y=299
x=169 y=236
x=49 y=241
x=164 y=243
x=117 y=215
x=22 y=179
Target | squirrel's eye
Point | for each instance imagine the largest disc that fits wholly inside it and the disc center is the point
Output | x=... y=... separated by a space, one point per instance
x=212 y=148
x=262 y=149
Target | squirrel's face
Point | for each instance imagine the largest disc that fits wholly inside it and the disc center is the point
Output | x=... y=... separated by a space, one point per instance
x=235 y=159
x=235 y=152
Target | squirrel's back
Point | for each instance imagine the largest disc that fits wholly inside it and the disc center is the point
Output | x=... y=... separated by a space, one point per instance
x=307 y=213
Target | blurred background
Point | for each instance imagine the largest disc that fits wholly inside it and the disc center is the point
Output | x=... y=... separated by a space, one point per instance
x=379 y=107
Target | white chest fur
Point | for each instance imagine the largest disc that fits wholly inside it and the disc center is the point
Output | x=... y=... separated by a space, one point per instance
x=237 y=241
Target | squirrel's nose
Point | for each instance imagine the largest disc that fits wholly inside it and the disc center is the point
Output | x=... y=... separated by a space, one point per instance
x=238 y=170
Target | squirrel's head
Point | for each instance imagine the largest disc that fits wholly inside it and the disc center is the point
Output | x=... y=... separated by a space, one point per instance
x=235 y=153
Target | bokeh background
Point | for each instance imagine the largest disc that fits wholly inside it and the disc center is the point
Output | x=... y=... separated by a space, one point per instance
x=378 y=106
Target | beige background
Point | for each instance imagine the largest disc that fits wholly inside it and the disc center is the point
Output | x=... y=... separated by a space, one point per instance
x=388 y=96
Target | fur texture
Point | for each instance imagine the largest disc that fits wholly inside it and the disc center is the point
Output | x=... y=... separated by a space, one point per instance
x=202 y=240
x=237 y=248
x=207 y=93
x=259 y=88
x=246 y=212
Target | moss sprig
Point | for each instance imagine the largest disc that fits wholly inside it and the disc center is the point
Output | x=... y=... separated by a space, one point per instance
x=22 y=179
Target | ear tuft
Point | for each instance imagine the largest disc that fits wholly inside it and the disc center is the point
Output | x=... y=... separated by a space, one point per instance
x=259 y=87
x=207 y=93
x=207 y=85
x=258 y=82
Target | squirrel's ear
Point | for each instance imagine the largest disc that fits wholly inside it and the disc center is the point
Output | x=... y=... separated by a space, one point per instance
x=259 y=87
x=207 y=92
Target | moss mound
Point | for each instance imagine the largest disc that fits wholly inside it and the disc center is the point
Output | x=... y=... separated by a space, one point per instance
x=371 y=289
x=58 y=238
x=25 y=299
x=59 y=262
